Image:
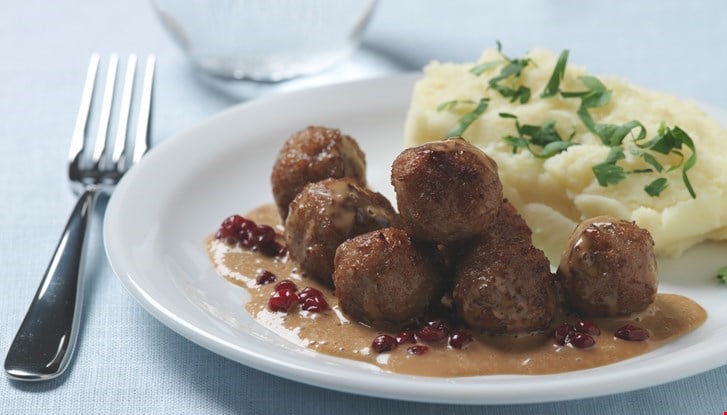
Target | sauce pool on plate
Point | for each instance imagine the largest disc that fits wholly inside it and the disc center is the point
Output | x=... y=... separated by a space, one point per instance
x=333 y=333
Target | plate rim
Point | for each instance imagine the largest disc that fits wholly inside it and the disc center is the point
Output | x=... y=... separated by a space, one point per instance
x=453 y=390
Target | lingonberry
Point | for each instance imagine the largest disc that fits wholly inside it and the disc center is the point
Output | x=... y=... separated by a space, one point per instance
x=460 y=339
x=282 y=300
x=383 y=343
x=632 y=333
x=264 y=277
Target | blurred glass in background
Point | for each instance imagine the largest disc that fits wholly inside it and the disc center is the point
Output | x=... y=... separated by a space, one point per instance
x=265 y=40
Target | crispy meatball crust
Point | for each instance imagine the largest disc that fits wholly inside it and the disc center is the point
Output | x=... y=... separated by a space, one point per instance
x=608 y=268
x=328 y=212
x=311 y=155
x=383 y=278
x=503 y=284
x=446 y=190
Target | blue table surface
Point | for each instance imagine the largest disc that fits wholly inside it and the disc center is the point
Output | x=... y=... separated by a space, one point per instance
x=126 y=361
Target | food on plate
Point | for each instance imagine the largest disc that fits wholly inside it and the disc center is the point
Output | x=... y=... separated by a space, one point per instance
x=503 y=284
x=446 y=191
x=570 y=146
x=326 y=213
x=385 y=279
x=313 y=154
x=457 y=274
x=608 y=268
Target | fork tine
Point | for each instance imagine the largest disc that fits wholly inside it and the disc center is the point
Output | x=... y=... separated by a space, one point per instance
x=141 y=144
x=120 y=143
x=79 y=131
x=108 y=98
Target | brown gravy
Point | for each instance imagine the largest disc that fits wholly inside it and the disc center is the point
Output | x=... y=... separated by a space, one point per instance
x=332 y=333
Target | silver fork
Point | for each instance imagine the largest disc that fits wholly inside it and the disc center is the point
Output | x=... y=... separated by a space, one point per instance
x=46 y=338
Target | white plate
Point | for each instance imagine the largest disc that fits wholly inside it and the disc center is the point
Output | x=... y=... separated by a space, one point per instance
x=164 y=208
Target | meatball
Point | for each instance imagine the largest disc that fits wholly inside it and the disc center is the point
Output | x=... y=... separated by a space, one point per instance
x=446 y=190
x=311 y=155
x=503 y=283
x=328 y=212
x=509 y=227
x=385 y=279
x=608 y=268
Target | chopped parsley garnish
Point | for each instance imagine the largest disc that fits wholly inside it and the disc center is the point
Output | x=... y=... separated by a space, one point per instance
x=464 y=121
x=613 y=135
x=656 y=187
x=483 y=67
x=450 y=105
x=553 y=86
x=608 y=172
x=544 y=136
x=596 y=95
x=670 y=141
x=510 y=74
x=507 y=83
x=722 y=274
x=543 y=141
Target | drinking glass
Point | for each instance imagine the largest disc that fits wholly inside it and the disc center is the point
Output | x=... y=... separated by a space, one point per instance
x=265 y=40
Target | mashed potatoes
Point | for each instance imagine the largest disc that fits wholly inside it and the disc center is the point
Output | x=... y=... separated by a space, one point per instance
x=556 y=193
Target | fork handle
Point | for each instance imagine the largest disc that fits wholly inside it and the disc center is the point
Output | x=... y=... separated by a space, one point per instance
x=45 y=340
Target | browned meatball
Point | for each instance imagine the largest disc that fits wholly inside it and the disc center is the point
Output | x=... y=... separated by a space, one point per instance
x=383 y=278
x=608 y=268
x=311 y=155
x=503 y=284
x=446 y=190
x=509 y=227
x=328 y=212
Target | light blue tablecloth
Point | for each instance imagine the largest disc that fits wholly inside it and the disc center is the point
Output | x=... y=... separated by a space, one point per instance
x=126 y=361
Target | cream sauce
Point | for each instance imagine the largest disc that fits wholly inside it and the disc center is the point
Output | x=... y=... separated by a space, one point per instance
x=331 y=332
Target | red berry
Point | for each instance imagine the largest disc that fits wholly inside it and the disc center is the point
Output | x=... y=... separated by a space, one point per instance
x=246 y=239
x=269 y=250
x=632 y=333
x=309 y=292
x=265 y=235
x=282 y=300
x=563 y=333
x=588 y=327
x=286 y=285
x=434 y=331
x=264 y=277
x=233 y=222
x=417 y=349
x=460 y=339
x=312 y=300
x=582 y=340
x=406 y=336
x=383 y=343
x=281 y=250
x=315 y=304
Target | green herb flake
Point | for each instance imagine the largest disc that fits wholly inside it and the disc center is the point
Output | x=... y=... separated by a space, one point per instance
x=516 y=143
x=452 y=104
x=722 y=274
x=466 y=120
x=614 y=154
x=613 y=135
x=553 y=86
x=649 y=159
x=691 y=161
x=483 y=67
x=607 y=173
x=670 y=141
x=544 y=136
x=656 y=187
